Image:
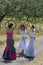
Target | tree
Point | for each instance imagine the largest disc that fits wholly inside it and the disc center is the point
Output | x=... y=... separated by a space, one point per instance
x=20 y=8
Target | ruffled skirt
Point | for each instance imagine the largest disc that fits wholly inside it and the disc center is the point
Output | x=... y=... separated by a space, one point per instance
x=9 y=51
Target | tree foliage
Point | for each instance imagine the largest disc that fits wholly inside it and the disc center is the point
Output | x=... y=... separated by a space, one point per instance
x=21 y=8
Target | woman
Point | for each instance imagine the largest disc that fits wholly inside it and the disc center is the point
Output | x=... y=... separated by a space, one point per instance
x=10 y=51
x=29 y=52
x=23 y=40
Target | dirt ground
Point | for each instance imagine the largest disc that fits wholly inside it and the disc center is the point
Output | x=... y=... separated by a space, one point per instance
x=37 y=61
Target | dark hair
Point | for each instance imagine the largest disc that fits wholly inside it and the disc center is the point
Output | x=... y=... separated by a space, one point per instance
x=10 y=25
x=33 y=26
x=22 y=26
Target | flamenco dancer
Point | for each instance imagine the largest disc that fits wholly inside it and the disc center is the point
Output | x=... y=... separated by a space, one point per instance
x=22 y=42
x=10 y=51
x=29 y=52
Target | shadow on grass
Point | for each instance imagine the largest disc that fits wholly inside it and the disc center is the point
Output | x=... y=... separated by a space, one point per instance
x=29 y=58
x=6 y=61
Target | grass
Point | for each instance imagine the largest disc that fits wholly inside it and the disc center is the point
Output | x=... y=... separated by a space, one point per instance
x=2 y=44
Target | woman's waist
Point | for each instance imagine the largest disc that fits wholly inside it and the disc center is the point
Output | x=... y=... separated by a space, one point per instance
x=9 y=37
x=32 y=37
x=23 y=35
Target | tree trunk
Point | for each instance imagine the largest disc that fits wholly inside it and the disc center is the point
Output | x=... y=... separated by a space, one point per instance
x=27 y=18
x=1 y=18
x=0 y=25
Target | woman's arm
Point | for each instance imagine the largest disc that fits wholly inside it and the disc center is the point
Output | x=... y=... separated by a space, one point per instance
x=28 y=24
x=6 y=24
x=19 y=25
x=14 y=25
x=34 y=34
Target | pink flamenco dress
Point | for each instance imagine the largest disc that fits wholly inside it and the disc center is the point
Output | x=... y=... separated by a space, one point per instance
x=10 y=51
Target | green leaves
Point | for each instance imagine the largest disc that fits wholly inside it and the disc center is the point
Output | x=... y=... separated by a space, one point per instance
x=21 y=8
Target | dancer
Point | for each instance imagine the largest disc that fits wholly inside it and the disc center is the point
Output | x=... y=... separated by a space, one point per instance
x=29 y=52
x=10 y=51
x=22 y=42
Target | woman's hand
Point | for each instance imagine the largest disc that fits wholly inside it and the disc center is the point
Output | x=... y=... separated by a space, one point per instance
x=6 y=24
x=14 y=25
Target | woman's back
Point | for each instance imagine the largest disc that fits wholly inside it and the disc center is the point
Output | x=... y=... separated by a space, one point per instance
x=9 y=35
x=32 y=33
